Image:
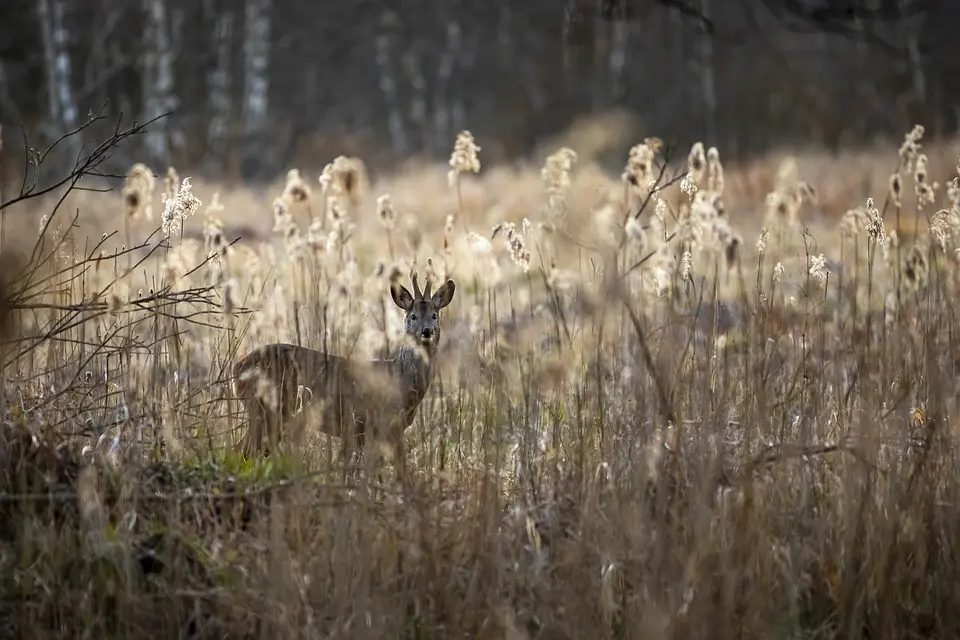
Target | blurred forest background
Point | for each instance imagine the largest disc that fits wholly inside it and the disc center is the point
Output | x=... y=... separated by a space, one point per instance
x=258 y=86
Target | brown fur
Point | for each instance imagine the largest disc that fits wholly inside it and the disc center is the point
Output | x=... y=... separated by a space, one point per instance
x=284 y=387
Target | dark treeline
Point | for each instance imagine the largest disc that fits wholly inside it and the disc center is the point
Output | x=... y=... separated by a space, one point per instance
x=258 y=86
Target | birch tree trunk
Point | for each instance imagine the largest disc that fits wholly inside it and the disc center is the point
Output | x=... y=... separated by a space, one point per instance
x=618 y=55
x=220 y=83
x=681 y=94
x=445 y=112
x=157 y=80
x=598 y=77
x=580 y=45
x=62 y=109
x=256 y=68
x=389 y=86
x=465 y=60
x=708 y=91
x=515 y=54
x=413 y=68
x=918 y=77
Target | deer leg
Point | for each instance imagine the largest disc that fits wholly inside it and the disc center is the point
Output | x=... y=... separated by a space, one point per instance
x=275 y=421
x=400 y=460
x=256 y=418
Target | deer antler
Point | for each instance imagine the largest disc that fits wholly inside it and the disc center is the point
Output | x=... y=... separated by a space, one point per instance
x=416 y=286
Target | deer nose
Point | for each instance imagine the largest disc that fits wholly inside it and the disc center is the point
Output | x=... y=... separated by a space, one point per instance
x=427 y=332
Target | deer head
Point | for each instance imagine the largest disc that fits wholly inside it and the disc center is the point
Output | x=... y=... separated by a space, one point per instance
x=422 y=310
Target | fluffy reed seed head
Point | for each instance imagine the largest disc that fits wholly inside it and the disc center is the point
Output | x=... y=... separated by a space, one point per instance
x=228 y=302
x=638 y=172
x=697 y=160
x=555 y=175
x=762 y=240
x=137 y=192
x=778 y=271
x=926 y=192
x=432 y=274
x=478 y=245
x=635 y=233
x=386 y=212
x=788 y=197
x=296 y=190
x=215 y=245
x=875 y=229
x=346 y=180
x=296 y=244
x=698 y=219
x=465 y=157
x=696 y=166
x=657 y=272
x=915 y=268
x=316 y=236
x=714 y=171
x=342 y=229
x=215 y=208
x=178 y=208
x=515 y=244
x=818 y=269
x=448 y=233
x=214 y=241
x=731 y=243
x=953 y=191
x=171 y=184
x=852 y=222
x=945 y=227
x=660 y=209
x=283 y=222
x=910 y=148
x=896 y=188
x=686 y=268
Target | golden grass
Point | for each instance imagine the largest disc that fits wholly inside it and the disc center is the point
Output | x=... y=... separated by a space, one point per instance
x=638 y=429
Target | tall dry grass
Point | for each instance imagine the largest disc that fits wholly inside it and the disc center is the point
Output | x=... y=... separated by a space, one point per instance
x=662 y=409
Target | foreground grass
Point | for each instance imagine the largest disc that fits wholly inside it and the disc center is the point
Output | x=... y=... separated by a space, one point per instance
x=655 y=428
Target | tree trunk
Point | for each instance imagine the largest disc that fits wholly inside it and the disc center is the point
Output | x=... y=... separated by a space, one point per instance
x=684 y=94
x=707 y=85
x=256 y=89
x=445 y=110
x=618 y=57
x=580 y=44
x=465 y=60
x=918 y=76
x=388 y=82
x=220 y=82
x=62 y=109
x=418 y=101
x=157 y=80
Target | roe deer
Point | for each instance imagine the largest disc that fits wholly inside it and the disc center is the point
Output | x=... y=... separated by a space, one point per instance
x=278 y=383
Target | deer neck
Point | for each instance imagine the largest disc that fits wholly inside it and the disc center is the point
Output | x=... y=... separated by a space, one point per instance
x=413 y=367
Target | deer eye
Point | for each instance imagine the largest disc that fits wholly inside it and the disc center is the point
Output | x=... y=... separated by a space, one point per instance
x=434 y=316
x=413 y=317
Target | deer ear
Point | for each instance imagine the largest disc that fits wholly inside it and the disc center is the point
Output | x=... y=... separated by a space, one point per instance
x=401 y=296
x=444 y=294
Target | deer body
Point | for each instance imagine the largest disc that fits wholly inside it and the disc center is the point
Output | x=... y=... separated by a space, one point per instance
x=284 y=386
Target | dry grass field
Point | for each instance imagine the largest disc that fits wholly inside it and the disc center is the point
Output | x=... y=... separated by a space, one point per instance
x=691 y=401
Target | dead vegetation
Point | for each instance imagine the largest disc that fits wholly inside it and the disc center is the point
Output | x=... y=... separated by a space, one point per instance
x=651 y=418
